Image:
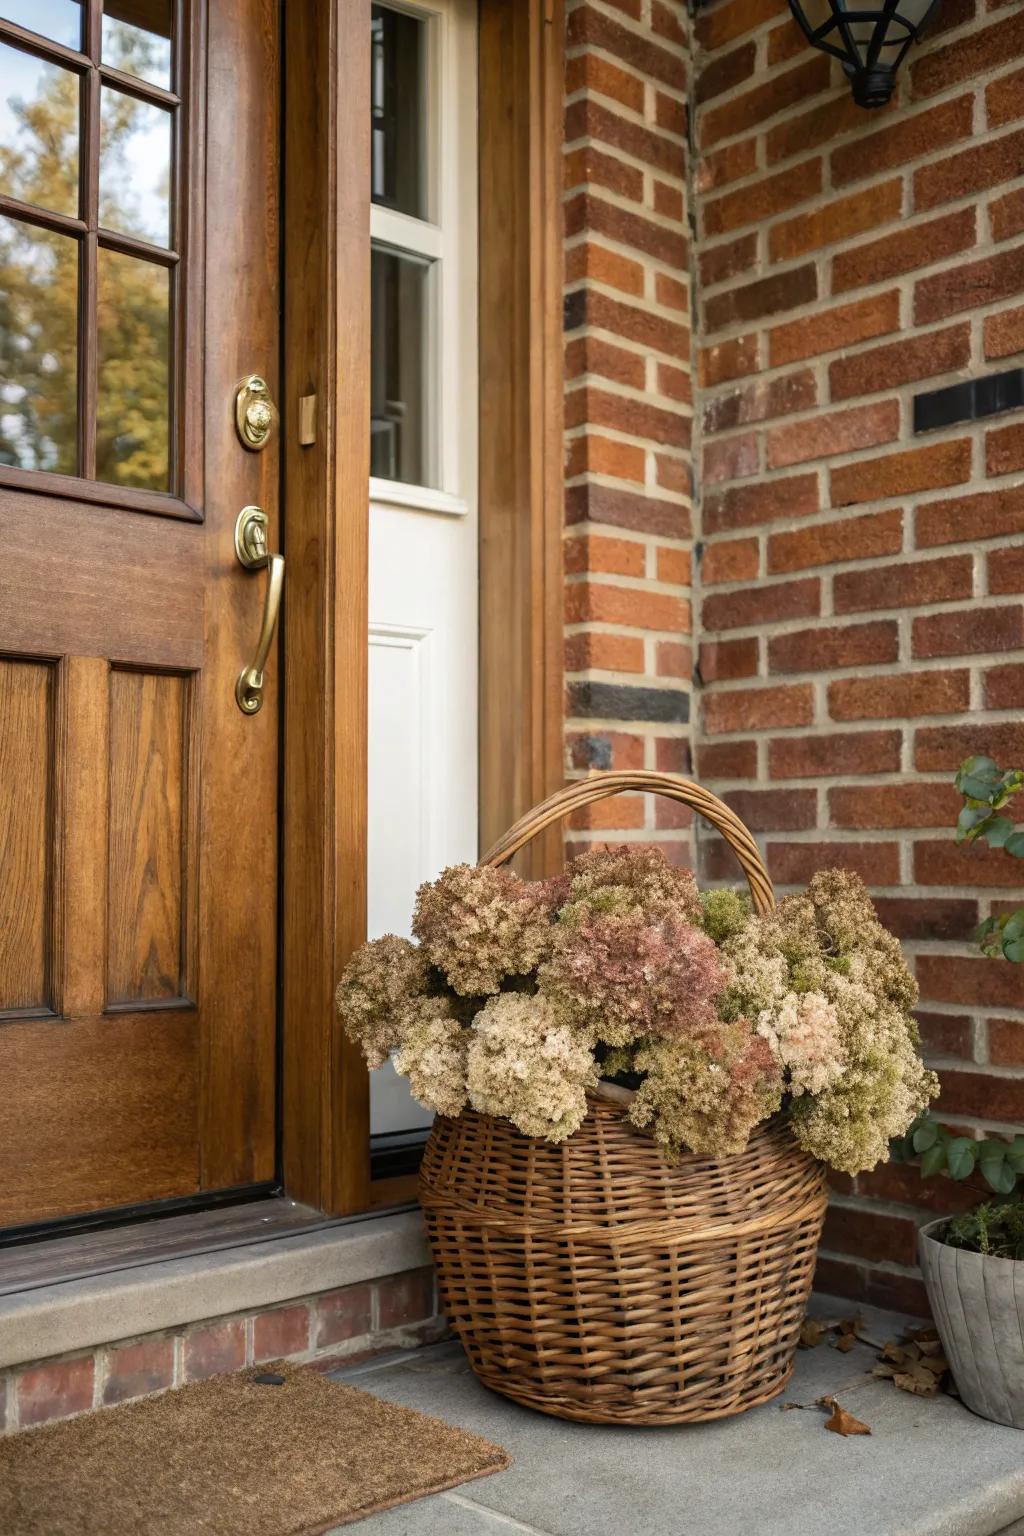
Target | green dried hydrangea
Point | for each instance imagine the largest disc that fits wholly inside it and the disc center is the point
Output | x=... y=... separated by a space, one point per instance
x=706 y=1093
x=723 y=913
x=883 y=1088
x=636 y=877
x=433 y=1057
x=377 y=993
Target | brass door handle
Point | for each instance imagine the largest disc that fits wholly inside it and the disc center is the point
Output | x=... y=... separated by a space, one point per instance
x=251 y=549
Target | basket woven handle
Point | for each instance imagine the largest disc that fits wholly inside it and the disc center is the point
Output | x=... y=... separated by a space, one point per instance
x=600 y=785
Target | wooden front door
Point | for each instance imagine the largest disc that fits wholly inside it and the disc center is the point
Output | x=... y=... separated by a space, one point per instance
x=138 y=803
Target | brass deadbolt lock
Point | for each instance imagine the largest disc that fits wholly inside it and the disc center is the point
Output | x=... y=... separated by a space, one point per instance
x=255 y=412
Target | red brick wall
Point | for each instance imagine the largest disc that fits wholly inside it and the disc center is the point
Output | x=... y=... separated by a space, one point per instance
x=861 y=627
x=628 y=550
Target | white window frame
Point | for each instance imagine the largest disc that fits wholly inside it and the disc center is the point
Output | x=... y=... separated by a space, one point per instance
x=447 y=238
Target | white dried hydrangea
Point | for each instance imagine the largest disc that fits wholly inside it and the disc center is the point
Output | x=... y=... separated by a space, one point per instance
x=525 y=1067
x=806 y=1041
x=433 y=1058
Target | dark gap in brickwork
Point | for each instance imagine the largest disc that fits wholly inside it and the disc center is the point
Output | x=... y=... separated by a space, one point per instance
x=969 y=401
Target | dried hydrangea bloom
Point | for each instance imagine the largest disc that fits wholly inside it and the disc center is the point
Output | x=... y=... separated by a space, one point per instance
x=640 y=876
x=723 y=913
x=377 y=988
x=845 y=913
x=806 y=1041
x=526 y=1067
x=620 y=976
x=884 y=1085
x=433 y=1057
x=705 y=1094
x=479 y=925
x=757 y=976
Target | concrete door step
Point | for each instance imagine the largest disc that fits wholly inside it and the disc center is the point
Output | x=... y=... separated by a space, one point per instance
x=928 y=1468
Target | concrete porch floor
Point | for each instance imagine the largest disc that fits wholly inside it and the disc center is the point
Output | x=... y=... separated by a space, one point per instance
x=929 y=1468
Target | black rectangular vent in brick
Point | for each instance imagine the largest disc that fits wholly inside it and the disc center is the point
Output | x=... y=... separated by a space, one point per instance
x=969 y=401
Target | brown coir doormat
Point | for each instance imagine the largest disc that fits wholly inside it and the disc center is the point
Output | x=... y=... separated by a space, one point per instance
x=233 y=1457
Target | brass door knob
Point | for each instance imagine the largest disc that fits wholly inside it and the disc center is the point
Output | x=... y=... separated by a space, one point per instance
x=255 y=412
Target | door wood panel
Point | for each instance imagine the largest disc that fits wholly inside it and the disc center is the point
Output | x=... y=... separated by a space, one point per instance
x=152 y=857
x=26 y=764
x=99 y=1112
x=138 y=805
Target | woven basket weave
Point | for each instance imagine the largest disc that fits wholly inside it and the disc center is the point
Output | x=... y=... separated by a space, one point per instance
x=597 y=1280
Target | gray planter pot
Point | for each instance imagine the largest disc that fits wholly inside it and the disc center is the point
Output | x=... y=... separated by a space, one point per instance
x=978 y=1306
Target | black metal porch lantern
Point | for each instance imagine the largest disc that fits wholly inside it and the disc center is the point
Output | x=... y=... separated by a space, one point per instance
x=870 y=39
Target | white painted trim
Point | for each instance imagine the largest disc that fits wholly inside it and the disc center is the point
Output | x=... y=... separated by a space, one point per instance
x=83 y=1313
x=448 y=239
x=415 y=498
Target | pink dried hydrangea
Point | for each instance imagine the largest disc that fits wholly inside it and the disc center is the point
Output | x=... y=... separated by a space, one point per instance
x=806 y=1041
x=377 y=994
x=620 y=975
x=705 y=1093
x=526 y=1067
x=479 y=925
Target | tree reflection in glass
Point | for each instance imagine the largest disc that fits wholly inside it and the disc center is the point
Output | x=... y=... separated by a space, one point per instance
x=38 y=348
x=135 y=167
x=38 y=131
x=134 y=372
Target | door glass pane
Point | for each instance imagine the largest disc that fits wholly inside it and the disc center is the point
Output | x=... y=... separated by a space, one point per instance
x=38 y=131
x=133 y=403
x=137 y=38
x=398 y=110
x=59 y=19
x=135 y=167
x=400 y=448
x=38 y=348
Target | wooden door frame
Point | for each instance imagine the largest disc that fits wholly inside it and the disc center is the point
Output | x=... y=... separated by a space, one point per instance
x=325 y=1092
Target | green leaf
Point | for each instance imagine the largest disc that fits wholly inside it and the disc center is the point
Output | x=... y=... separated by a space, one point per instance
x=995 y=1170
x=934 y=1160
x=1015 y=845
x=961 y=1156
x=1013 y=924
x=977 y=765
x=977 y=788
x=1013 y=949
x=1015 y=1154
x=926 y=1135
x=997 y=831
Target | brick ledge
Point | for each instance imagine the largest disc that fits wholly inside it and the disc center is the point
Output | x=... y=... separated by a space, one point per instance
x=83 y=1313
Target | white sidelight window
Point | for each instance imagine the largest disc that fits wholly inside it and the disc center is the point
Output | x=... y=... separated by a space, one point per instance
x=423 y=487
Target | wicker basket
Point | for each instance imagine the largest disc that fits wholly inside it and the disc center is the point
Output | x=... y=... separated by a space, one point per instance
x=597 y=1280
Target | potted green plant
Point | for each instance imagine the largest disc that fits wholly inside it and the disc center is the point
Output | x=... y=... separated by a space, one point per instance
x=637 y=1085
x=973 y=1263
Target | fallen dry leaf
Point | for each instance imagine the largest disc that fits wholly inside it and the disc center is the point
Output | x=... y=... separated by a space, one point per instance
x=892 y=1351
x=923 y=1385
x=815 y=1329
x=844 y=1343
x=843 y=1422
